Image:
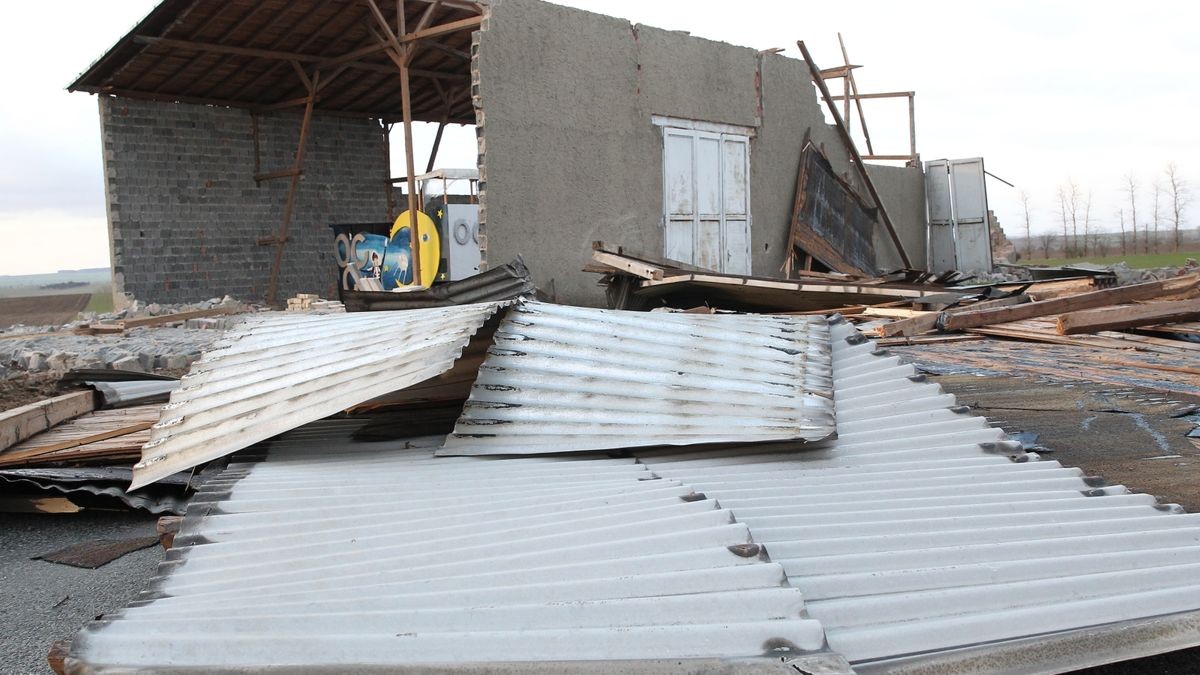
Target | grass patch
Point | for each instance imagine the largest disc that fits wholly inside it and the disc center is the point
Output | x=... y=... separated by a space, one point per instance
x=1141 y=261
x=101 y=303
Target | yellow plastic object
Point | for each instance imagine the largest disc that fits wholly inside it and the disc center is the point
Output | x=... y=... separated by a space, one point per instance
x=431 y=244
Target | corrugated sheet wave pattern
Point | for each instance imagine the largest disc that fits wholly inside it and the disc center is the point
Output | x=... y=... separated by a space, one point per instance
x=570 y=378
x=336 y=554
x=921 y=529
x=277 y=371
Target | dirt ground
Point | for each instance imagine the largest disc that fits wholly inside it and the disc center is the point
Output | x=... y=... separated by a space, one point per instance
x=1129 y=437
x=27 y=388
x=42 y=310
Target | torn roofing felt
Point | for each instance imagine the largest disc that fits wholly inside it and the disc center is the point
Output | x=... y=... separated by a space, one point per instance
x=275 y=372
x=563 y=379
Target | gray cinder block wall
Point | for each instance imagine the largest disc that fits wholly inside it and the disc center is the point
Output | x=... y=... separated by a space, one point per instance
x=569 y=154
x=185 y=212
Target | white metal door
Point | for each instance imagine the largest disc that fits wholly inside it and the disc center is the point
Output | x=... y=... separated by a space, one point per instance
x=959 y=238
x=706 y=199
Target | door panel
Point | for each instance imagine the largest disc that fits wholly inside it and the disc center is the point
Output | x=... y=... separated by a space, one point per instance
x=679 y=179
x=706 y=199
x=677 y=240
x=710 y=253
x=737 y=247
x=734 y=158
x=708 y=175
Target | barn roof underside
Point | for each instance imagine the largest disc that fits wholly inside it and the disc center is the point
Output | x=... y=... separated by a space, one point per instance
x=263 y=54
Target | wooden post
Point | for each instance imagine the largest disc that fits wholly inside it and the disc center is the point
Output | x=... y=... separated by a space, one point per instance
x=290 y=205
x=858 y=161
x=437 y=142
x=406 y=109
x=385 y=128
x=862 y=117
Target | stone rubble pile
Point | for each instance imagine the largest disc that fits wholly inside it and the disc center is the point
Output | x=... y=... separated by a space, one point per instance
x=139 y=350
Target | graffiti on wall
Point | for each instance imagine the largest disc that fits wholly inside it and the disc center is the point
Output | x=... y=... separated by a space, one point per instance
x=388 y=260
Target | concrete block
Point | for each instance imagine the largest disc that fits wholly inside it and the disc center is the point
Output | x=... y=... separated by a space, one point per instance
x=130 y=363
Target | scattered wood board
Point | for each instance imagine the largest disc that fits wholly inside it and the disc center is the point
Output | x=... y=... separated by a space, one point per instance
x=21 y=423
x=1110 y=296
x=98 y=553
x=103 y=435
x=162 y=320
x=1127 y=316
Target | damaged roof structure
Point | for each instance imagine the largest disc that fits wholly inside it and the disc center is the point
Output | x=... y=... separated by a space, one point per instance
x=679 y=145
x=737 y=481
x=918 y=537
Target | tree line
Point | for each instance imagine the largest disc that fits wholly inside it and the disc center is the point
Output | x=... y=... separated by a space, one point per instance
x=1082 y=236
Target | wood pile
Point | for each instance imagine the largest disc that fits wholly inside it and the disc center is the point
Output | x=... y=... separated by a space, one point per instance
x=120 y=327
x=304 y=302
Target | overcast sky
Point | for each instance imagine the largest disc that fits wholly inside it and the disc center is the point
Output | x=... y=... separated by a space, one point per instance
x=1045 y=92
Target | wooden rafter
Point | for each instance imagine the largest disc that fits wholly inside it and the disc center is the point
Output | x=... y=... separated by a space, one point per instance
x=347 y=9
x=231 y=31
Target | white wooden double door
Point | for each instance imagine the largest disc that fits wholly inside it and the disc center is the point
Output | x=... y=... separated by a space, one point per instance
x=706 y=199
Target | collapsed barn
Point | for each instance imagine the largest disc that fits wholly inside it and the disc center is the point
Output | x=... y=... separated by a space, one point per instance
x=235 y=133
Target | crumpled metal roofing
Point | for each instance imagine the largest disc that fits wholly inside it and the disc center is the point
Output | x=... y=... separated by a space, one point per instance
x=277 y=371
x=562 y=379
x=922 y=538
x=348 y=556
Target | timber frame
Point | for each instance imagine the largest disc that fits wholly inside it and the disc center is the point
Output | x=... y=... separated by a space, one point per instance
x=355 y=58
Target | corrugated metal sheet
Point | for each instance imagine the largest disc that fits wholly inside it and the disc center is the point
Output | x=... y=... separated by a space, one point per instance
x=341 y=556
x=277 y=371
x=570 y=379
x=921 y=536
x=505 y=282
x=134 y=392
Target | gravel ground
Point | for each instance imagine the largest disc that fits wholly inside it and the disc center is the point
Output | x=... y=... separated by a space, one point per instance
x=41 y=602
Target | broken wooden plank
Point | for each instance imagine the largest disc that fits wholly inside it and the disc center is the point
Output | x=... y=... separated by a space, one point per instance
x=161 y=320
x=1127 y=316
x=1110 y=296
x=668 y=264
x=926 y=339
x=927 y=321
x=167 y=527
x=635 y=267
x=21 y=423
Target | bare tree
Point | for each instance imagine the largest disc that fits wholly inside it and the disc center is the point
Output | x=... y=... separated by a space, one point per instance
x=1100 y=242
x=1087 y=222
x=1068 y=212
x=1028 y=236
x=1121 y=215
x=1180 y=198
x=1046 y=240
x=1131 y=188
x=1154 y=214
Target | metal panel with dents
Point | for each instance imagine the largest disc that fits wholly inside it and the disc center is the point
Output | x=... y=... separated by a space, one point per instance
x=923 y=539
x=563 y=379
x=336 y=555
x=275 y=372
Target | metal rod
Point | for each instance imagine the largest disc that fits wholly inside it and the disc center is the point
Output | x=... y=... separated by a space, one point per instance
x=290 y=205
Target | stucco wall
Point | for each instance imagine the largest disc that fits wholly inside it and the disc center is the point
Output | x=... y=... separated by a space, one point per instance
x=185 y=212
x=569 y=154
